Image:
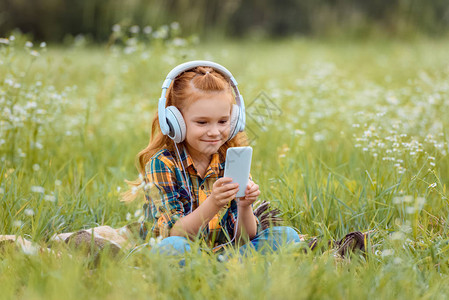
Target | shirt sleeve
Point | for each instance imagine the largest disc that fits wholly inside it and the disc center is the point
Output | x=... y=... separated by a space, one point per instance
x=166 y=207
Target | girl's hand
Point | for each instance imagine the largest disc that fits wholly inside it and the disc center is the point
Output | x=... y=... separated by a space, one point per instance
x=223 y=191
x=251 y=193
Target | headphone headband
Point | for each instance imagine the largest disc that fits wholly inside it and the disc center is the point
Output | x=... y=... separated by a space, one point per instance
x=193 y=64
x=187 y=66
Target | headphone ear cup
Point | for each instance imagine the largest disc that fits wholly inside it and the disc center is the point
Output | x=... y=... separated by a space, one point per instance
x=176 y=123
x=234 y=121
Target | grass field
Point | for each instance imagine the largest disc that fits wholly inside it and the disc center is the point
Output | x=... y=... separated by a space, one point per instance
x=346 y=136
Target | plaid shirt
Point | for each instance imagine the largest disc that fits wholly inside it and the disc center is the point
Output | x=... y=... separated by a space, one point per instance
x=168 y=197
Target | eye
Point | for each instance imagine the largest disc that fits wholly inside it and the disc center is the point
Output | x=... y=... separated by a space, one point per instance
x=201 y=122
x=223 y=121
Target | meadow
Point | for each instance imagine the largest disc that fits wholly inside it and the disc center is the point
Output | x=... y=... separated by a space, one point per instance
x=347 y=135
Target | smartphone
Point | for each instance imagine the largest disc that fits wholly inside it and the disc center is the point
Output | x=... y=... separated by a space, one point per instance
x=237 y=167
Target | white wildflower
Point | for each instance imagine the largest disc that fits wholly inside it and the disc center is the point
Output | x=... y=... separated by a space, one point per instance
x=29 y=212
x=2 y=191
x=58 y=182
x=152 y=242
x=410 y=210
x=128 y=216
x=17 y=223
x=36 y=167
x=299 y=132
x=155 y=241
x=4 y=41
x=43 y=45
x=179 y=42
x=38 y=145
x=116 y=28
x=118 y=189
x=134 y=29
x=148 y=186
x=29 y=249
x=406 y=228
x=28 y=44
x=174 y=25
x=433 y=185
x=221 y=258
x=387 y=252
x=420 y=201
x=129 y=50
x=141 y=185
x=397 y=200
x=37 y=189
x=34 y=53
x=137 y=213
x=408 y=199
x=147 y=29
x=50 y=198
x=317 y=136
x=395 y=236
x=397 y=260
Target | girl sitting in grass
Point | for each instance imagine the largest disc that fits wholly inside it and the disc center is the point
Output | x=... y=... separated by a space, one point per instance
x=187 y=196
x=182 y=169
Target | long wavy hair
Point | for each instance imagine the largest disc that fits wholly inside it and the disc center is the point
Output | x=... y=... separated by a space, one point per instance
x=183 y=91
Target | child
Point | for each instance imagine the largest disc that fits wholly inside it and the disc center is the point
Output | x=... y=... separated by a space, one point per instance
x=183 y=164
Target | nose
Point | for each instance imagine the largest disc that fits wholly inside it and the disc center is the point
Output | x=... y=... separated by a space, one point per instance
x=213 y=130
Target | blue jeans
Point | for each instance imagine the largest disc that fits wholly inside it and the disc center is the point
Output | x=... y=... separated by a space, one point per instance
x=267 y=240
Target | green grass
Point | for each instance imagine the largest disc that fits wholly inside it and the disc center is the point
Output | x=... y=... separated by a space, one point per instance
x=355 y=138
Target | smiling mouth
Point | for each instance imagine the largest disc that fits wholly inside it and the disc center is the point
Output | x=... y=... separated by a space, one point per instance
x=213 y=141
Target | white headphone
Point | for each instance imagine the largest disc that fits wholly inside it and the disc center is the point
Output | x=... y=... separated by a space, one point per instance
x=170 y=118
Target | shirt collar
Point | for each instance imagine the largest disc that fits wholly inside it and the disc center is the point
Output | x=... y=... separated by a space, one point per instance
x=216 y=163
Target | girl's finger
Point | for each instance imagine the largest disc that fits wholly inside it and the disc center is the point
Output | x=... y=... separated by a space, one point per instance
x=253 y=190
x=228 y=187
x=230 y=192
x=253 y=194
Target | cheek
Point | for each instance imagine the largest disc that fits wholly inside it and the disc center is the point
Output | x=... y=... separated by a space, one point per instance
x=227 y=128
x=225 y=132
x=193 y=130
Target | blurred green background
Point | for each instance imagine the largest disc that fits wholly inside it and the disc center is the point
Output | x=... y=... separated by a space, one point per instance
x=55 y=20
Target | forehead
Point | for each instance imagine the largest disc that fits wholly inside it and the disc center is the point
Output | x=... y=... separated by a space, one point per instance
x=212 y=105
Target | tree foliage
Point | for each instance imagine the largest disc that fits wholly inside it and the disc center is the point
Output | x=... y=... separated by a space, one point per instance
x=54 y=19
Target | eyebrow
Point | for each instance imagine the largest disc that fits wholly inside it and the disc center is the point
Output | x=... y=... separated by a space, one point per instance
x=207 y=118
